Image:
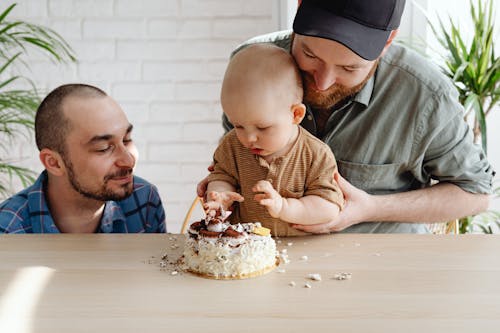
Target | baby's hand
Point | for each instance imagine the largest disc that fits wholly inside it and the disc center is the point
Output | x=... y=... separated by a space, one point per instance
x=267 y=196
x=217 y=199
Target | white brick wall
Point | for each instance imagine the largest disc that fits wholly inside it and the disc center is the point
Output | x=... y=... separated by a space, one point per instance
x=163 y=61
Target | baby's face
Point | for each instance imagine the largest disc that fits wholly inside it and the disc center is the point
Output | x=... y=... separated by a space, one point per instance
x=265 y=126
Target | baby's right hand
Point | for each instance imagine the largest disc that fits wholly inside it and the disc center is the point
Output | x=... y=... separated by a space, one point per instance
x=217 y=199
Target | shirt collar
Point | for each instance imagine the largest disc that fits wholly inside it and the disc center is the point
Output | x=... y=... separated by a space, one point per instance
x=365 y=94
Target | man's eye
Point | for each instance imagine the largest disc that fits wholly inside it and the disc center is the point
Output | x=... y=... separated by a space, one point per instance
x=309 y=55
x=104 y=149
x=263 y=128
x=127 y=141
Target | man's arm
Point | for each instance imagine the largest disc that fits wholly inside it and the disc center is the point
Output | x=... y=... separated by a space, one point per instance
x=438 y=203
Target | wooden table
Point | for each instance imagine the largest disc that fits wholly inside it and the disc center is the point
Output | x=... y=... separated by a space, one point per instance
x=115 y=283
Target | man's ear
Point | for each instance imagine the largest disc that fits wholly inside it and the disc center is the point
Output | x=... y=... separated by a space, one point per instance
x=299 y=111
x=52 y=161
x=393 y=35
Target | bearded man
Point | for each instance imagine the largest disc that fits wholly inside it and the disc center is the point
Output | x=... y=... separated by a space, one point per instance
x=405 y=156
x=85 y=143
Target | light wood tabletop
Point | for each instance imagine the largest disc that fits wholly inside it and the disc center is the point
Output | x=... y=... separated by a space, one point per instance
x=117 y=283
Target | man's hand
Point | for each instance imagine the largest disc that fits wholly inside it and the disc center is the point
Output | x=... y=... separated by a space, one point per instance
x=267 y=196
x=217 y=199
x=356 y=210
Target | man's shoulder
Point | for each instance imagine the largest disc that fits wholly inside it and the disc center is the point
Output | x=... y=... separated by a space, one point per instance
x=279 y=38
x=14 y=211
x=15 y=202
x=407 y=64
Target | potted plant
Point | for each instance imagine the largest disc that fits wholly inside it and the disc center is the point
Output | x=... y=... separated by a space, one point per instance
x=18 y=105
x=475 y=70
x=472 y=65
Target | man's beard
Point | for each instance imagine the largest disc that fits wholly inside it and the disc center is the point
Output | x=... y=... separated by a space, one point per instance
x=103 y=194
x=325 y=100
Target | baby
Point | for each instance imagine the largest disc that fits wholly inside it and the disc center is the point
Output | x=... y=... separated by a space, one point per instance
x=278 y=172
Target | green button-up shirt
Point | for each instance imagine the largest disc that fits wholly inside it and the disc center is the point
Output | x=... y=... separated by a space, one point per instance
x=404 y=129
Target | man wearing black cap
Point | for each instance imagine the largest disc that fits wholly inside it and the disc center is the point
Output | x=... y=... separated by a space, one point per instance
x=392 y=119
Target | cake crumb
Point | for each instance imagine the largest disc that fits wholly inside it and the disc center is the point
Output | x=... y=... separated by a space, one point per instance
x=314 y=276
x=342 y=276
x=174 y=273
x=284 y=258
x=280 y=270
x=307 y=285
x=289 y=244
x=304 y=258
x=291 y=283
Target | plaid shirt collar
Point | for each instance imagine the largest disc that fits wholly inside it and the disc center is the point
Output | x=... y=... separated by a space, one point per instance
x=112 y=215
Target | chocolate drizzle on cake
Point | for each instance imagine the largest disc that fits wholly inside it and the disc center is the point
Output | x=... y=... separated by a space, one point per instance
x=216 y=226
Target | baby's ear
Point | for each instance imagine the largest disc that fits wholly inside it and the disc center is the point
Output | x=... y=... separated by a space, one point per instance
x=299 y=111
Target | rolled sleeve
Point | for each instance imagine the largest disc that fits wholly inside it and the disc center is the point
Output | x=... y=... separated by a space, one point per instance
x=451 y=156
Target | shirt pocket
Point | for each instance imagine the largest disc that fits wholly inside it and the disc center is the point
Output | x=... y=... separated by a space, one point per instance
x=373 y=178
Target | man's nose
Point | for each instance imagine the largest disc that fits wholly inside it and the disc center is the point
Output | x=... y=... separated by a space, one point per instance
x=127 y=156
x=324 y=79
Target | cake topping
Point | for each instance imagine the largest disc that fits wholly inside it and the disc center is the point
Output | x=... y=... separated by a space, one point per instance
x=214 y=225
x=261 y=231
x=210 y=234
x=196 y=226
x=230 y=232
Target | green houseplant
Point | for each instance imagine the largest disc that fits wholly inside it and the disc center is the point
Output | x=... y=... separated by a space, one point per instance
x=472 y=65
x=18 y=105
x=475 y=70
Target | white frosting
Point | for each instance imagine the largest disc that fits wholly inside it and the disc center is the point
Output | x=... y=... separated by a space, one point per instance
x=230 y=256
x=217 y=227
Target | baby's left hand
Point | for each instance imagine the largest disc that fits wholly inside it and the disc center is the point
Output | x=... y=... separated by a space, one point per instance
x=267 y=196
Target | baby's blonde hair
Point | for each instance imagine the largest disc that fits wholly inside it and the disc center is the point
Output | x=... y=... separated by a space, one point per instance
x=263 y=69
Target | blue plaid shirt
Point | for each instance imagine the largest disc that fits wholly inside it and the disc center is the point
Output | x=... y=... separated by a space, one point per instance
x=27 y=211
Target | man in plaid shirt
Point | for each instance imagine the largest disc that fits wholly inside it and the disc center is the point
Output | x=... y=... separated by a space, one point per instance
x=88 y=185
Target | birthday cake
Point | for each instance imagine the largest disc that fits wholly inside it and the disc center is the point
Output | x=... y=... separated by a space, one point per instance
x=219 y=250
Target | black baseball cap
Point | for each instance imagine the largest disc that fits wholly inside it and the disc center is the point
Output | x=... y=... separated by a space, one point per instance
x=363 y=26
